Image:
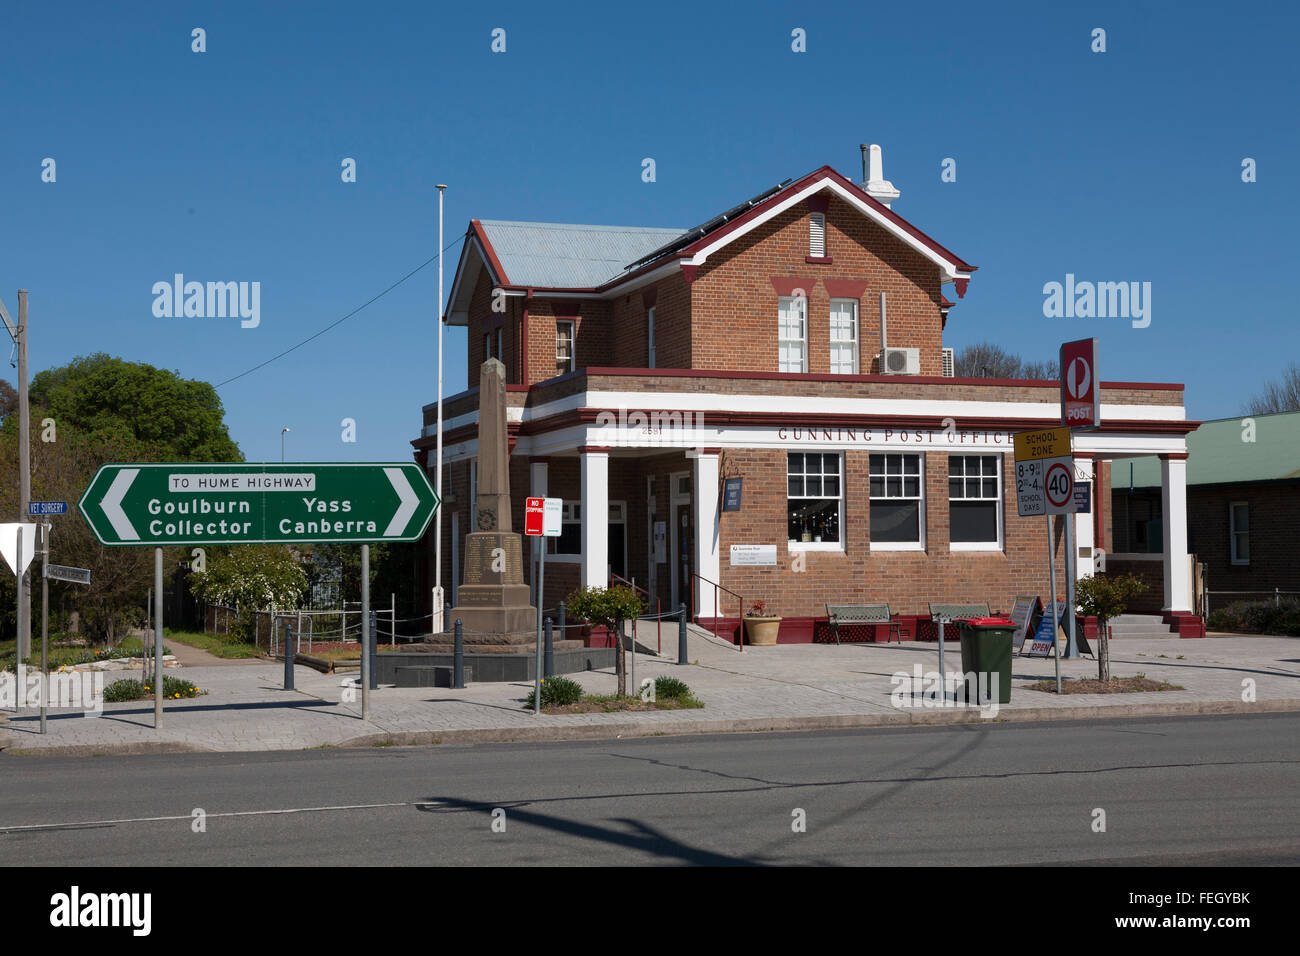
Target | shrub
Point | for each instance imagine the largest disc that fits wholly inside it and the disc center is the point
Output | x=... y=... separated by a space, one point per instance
x=670 y=688
x=1257 y=617
x=558 y=691
x=122 y=690
x=174 y=688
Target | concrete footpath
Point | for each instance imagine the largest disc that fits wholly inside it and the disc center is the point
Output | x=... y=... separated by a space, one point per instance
x=789 y=687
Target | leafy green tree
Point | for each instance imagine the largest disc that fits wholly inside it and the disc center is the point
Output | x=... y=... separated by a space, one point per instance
x=1105 y=596
x=114 y=398
x=250 y=577
x=106 y=409
x=608 y=608
x=119 y=577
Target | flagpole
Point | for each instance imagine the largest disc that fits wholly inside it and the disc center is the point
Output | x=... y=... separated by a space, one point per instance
x=437 y=623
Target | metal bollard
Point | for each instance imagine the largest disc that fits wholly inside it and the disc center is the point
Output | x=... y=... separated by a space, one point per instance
x=561 y=622
x=371 y=648
x=682 y=652
x=548 y=667
x=289 y=650
x=458 y=658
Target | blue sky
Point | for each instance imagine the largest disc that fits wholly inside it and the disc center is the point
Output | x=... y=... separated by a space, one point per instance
x=225 y=166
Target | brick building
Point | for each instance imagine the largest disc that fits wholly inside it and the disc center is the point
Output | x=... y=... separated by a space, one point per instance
x=1243 y=509
x=648 y=366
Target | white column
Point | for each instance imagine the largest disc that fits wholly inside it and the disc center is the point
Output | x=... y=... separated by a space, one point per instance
x=595 y=517
x=1084 y=470
x=1173 y=498
x=707 y=527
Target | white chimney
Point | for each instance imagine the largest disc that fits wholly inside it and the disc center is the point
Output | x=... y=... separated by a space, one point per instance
x=873 y=175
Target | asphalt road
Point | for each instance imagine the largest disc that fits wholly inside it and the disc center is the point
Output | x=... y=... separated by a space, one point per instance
x=1207 y=790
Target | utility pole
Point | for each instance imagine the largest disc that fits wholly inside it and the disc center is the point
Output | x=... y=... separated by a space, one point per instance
x=19 y=335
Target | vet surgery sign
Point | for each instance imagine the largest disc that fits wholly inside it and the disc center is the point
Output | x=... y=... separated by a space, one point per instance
x=164 y=504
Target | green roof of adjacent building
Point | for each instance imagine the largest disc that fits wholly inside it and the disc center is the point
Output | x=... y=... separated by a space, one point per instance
x=1227 y=451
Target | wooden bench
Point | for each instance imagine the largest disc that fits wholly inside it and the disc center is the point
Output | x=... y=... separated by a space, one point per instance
x=875 y=614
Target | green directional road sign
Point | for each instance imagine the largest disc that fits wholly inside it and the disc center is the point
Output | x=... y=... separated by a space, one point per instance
x=157 y=504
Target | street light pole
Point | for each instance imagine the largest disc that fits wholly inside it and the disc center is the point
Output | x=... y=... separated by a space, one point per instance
x=282 y=434
x=436 y=622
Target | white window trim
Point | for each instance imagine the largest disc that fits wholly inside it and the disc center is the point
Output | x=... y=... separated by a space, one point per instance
x=988 y=546
x=918 y=545
x=839 y=343
x=792 y=545
x=573 y=343
x=1232 y=533
x=781 y=307
x=565 y=558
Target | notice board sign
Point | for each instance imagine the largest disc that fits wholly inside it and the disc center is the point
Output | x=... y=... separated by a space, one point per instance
x=731 y=494
x=1025 y=612
x=1044 y=638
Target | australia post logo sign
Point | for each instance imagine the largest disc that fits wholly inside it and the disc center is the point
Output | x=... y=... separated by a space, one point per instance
x=1080 y=389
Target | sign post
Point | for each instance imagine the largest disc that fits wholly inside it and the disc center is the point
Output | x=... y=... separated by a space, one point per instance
x=1080 y=408
x=134 y=505
x=204 y=504
x=543 y=518
x=1045 y=486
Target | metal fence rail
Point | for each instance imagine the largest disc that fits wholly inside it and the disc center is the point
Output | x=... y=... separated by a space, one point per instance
x=1275 y=593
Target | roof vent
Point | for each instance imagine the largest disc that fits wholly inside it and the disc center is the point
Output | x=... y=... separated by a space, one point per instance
x=873 y=175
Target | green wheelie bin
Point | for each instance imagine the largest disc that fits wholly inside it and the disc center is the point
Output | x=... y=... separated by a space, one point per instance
x=986 y=649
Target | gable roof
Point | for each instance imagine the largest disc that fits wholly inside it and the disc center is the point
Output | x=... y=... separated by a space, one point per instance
x=1217 y=455
x=596 y=260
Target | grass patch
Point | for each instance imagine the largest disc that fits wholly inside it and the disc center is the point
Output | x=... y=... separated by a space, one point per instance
x=1116 y=685
x=215 y=644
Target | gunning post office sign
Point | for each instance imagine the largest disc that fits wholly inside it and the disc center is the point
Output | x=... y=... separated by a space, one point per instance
x=195 y=504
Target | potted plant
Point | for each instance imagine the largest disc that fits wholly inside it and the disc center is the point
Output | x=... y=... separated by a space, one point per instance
x=760 y=627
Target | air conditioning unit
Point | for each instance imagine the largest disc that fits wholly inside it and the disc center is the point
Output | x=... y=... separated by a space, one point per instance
x=949 y=364
x=901 y=362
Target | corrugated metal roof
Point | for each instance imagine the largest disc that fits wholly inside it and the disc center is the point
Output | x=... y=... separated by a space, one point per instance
x=560 y=255
x=1216 y=453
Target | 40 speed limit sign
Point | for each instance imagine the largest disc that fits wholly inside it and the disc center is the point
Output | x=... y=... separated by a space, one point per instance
x=1044 y=472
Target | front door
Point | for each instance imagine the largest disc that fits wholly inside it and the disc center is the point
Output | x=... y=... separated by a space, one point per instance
x=685 y=550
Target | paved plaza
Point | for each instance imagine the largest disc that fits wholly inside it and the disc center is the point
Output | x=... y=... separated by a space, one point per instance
x=788 y=687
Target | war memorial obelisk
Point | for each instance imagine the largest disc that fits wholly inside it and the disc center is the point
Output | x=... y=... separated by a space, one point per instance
x=493 y=599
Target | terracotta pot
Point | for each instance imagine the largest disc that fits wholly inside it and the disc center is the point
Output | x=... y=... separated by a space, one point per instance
x=762 y=631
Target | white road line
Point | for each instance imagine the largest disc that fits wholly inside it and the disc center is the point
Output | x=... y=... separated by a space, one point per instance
x=231 y=813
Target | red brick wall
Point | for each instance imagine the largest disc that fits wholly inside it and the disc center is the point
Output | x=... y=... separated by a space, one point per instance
x=733 y=299
x=907 y=580
x=629 y=338
x=1274 y=532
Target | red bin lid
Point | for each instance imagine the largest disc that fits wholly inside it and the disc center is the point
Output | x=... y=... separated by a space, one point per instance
x=990 y=621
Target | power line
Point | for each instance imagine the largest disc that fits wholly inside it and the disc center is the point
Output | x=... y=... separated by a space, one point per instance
x=334 y=324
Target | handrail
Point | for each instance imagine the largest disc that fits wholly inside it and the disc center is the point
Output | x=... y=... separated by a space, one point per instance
x=618 y=579
x=740 y=604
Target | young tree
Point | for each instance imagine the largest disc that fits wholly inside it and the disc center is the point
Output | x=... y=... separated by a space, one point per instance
x=251 y=577
x=608 y=608
x=1106 y=597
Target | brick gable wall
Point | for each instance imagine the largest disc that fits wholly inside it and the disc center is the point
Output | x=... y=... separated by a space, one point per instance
x=733 y=299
